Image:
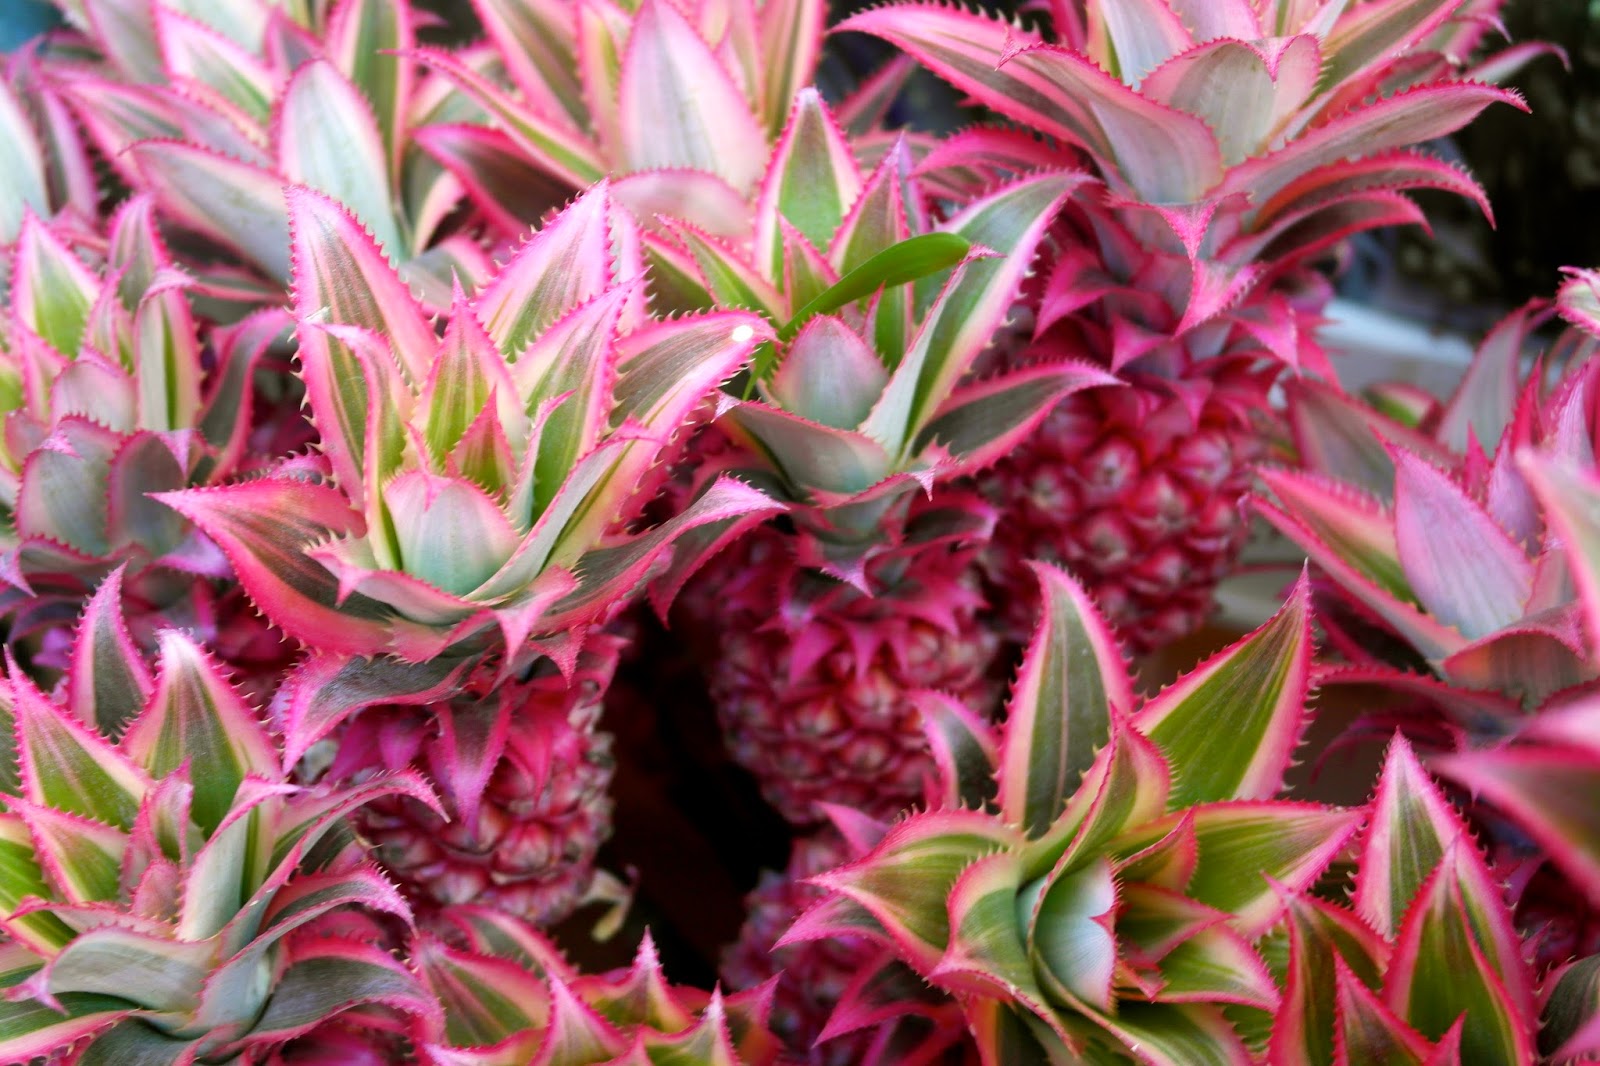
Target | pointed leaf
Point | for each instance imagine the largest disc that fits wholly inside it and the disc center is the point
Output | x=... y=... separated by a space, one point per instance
x=1439 y=529
x=668 y=70
x=1072 y=682
x=108 y=682
x=1259 y=686
x=67 y=767
x=196 y=717
x=329 y=140
x=235 y=203
x=905 y=881
x=265 y=528
x=1163 y=155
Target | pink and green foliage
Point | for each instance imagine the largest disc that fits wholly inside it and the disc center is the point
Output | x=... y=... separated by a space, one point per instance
x=111 y=393
x=1426 y=966
x=44 y=167
x=917 y=1026
x=1395 y=511
x=167 y=888
x=863 y=397
x=1241 y=133
x=861 y=405
x=1238 y=142
x=212 y=108
x=510 y=998
x=472 y=486
x=1093 y=879
x=676 y=105
x=1496 y=483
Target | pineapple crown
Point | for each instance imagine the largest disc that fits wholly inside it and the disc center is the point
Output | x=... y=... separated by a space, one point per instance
x=510 y=998
x=110 y=394
x=165 y=880
x=1393 y=506
x=863 y=395
x=676 y=104
x=212 y=108
x=1185 y=103
x=1092 y=880
x=475 y=485
x=1394 y=509
x=1426 y=967
x=1239 y=139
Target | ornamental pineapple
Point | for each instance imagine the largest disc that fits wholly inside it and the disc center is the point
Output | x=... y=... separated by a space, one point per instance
x=112 y=392
x=857 y=417
x=168 y=892
x=1093 y=878
x=212 y=109
x=1394 y=505
x=465 y=522
x=524 y=777
x=1237 y=142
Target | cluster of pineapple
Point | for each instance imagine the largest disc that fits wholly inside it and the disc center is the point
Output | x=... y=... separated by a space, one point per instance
x=356 y=390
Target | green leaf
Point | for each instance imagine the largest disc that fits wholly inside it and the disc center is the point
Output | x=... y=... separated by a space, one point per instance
x=1242 y=844
x=157 y=973
x=1258 y=687
x=197 y=717
x=1168 y=1034
x=910 y=260
x=330 y=140
x=330 y=976
x=1412 y=825
x=987 y=953
x=906 y=880
x=67 y=767
x=52 y=289
x=812 y=179
x=971 y=304
x=29 y=1030
x=1440 y=972
x=1070 y=936
x=485 y=999
x=1072 y=681
x=20 y=878
x=1568 y=1025
x=23 y=181
x=82 y=856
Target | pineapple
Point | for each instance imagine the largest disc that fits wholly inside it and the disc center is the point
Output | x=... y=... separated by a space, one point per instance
x=1237 y=142
x=464 y=525
x=824 y=629
x=170 y=896
x=1090 y=882
x=519 y=832
x=211 y=109
x=112 y=392
x=1498 y=482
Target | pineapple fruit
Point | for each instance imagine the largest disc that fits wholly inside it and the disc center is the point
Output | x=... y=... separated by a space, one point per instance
x=1237 y=141
x=519 y=833
x=857 y=416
